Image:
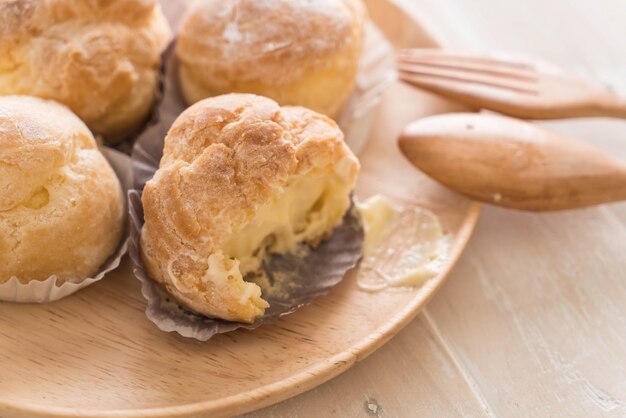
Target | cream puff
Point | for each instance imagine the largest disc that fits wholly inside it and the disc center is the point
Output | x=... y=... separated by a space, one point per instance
x=99 y=58
x=61 y=204
x=240 y=178
x=297 y=52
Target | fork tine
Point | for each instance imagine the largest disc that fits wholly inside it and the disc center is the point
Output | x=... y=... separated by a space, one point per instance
x=428 y=73
x=453 y=90
x=493 y=61
x=471 y=67
x=446 y=84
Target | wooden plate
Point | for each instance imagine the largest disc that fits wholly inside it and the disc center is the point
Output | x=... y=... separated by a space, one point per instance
x=95 y=354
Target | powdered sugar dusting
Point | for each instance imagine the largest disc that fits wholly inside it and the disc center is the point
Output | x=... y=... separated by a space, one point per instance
x=231 y=33
x=254 y=27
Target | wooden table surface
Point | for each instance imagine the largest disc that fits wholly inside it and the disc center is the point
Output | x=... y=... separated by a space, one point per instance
x=532 y=322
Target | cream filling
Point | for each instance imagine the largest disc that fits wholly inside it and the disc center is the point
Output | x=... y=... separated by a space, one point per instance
x=305 y=211
x=402 y=247
x=378 y=214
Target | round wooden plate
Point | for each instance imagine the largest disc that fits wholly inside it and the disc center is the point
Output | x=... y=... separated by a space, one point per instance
x=95 y=354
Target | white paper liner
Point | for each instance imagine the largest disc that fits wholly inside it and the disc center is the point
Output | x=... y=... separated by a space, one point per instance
x=377 y=71
x=40 y=291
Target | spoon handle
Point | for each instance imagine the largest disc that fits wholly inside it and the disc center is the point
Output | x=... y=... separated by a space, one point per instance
x=612 y=105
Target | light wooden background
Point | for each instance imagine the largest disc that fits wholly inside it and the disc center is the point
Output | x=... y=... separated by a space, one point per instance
x=532 y=322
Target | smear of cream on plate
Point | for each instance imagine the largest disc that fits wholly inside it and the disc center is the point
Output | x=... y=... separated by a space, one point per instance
x=378 y=214
x=404 y=247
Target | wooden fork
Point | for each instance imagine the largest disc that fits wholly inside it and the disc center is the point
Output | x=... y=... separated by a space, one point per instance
x=521 y=87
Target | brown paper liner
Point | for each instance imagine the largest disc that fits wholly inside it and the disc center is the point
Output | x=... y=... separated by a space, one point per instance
x=299 y=278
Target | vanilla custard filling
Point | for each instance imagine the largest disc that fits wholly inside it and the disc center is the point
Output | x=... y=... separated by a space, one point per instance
x=305 y=211
x=378 y=214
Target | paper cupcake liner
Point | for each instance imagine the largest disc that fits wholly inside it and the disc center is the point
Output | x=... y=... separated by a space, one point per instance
x=304 y=275
x=313 y=272
x=40 y=291
x=377 y=71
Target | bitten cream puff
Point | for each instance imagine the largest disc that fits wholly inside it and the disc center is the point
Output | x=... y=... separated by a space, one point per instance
x=297 y=52
x=240 y=177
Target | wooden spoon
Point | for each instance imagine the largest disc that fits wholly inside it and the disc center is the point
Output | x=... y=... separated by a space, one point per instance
x=511 y=163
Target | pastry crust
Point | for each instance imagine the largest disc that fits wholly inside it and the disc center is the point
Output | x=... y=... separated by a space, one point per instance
x=61 y=207
x=226 y=160
x=297 y=52
x=98 y=57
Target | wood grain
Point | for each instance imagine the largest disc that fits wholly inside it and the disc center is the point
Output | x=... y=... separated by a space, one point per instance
x=533 y=316
x=426 y=384
x=95 y=354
